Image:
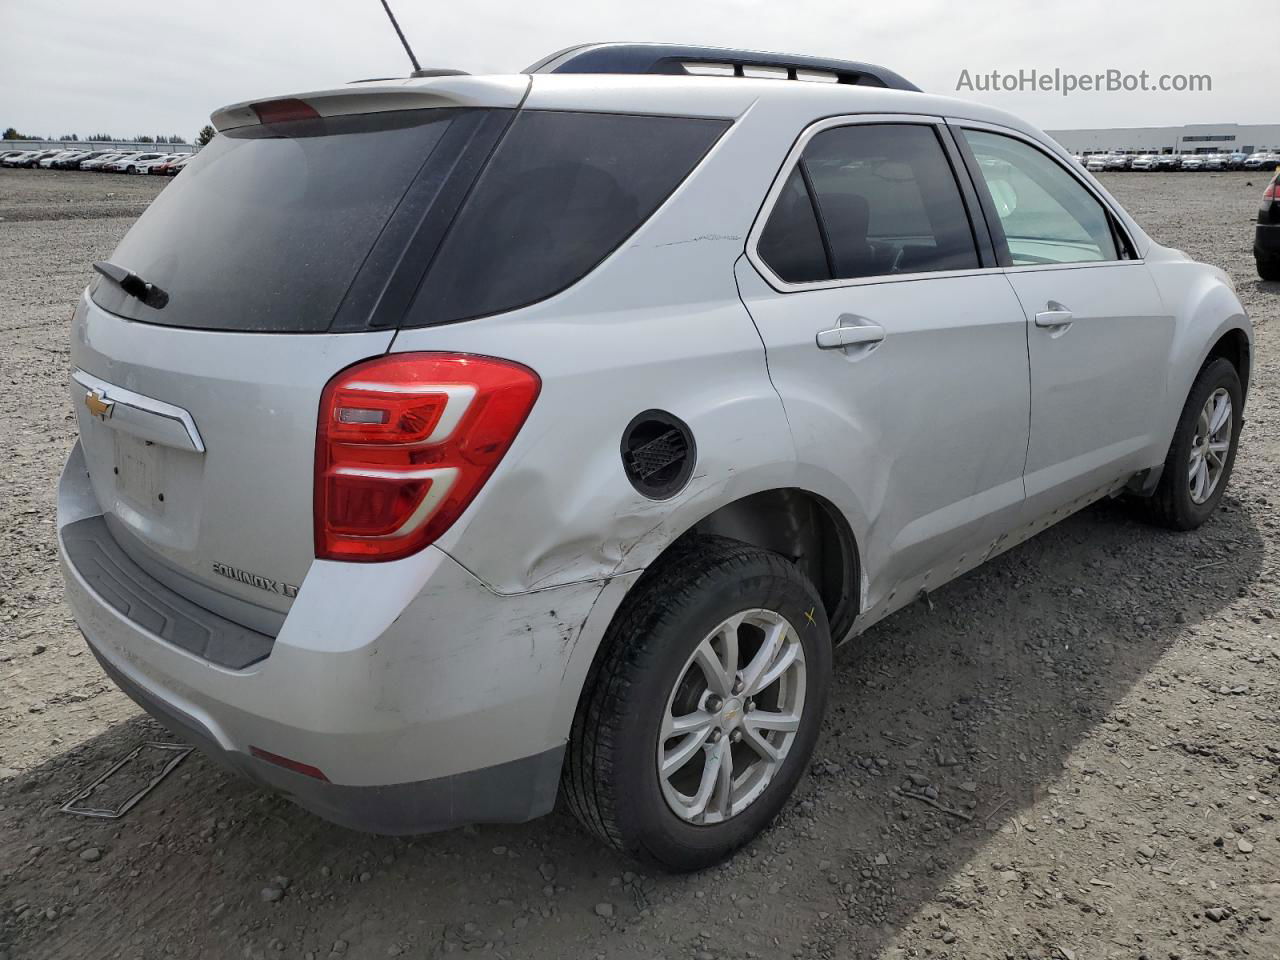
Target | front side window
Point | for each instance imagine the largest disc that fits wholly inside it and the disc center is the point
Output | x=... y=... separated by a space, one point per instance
x=887 y=203
x=1047 y=215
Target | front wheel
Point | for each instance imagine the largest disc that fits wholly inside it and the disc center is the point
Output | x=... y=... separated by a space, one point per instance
x=1203 y=451
x=702 y=709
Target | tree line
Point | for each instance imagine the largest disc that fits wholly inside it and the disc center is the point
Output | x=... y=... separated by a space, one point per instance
x=204 y=136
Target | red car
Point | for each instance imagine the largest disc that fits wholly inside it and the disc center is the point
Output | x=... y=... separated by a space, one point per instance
x=171 y=168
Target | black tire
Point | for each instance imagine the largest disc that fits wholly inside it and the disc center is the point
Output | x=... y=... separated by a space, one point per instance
x=610 y=779
x=1268 y=265
x=1172 y=505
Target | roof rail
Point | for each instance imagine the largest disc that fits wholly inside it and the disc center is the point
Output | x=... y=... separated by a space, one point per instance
x=663 y=58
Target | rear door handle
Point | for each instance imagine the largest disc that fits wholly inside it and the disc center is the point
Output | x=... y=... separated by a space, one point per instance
x=1056 y=316
x=852 y=336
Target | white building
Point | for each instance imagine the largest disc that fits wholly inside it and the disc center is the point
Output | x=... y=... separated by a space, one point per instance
x=1189 y=138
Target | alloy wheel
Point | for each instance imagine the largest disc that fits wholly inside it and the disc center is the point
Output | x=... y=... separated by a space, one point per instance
x=1210 y=446
x=731 y=717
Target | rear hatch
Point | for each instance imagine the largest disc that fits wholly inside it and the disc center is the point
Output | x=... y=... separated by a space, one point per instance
x=285 y=252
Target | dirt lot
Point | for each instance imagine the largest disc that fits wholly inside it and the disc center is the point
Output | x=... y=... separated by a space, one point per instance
x=1098 y=710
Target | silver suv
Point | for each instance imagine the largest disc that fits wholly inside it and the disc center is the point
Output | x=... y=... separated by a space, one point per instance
x=453 y=443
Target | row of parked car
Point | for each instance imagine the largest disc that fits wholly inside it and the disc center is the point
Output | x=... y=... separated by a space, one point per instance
x=110 y=161
x=1099 y=162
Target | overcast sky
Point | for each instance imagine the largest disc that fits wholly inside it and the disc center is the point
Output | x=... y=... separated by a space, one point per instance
x=87 y=66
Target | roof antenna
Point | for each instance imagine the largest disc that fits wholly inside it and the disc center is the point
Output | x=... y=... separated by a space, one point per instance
x=400 y=33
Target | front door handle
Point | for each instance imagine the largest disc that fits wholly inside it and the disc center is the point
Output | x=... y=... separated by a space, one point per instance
x=863 y=334
x=1056 y=316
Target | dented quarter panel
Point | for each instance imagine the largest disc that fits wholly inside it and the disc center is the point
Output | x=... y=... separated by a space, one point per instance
x=560 y=509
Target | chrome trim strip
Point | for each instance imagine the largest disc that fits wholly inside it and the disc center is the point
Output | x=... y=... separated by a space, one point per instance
x=129 y=400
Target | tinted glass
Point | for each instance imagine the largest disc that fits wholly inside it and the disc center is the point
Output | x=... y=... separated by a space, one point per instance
x=888 y=201
x=562 y=191
x=791 y=243
x=1047 y=215
x=267 y=225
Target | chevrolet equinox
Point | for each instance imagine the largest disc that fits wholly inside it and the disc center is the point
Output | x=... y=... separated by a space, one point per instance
x=453 y=443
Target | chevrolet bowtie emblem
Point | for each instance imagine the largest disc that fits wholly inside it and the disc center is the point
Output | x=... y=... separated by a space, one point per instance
x=98 y=405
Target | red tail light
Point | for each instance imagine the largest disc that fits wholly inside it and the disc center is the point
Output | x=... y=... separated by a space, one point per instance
x=1271 y=193
x=404 y=444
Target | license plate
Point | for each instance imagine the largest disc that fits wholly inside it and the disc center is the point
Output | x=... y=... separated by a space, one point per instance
x=140 y=473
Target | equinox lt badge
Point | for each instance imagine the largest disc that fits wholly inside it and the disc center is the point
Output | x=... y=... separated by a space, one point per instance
x=255 y=580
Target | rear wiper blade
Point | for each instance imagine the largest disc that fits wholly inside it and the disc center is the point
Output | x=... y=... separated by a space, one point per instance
x=132 y=284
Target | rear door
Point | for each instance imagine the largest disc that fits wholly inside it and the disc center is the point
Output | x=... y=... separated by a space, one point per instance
x=1099 y=335
x=285 y=252
x=898 y=348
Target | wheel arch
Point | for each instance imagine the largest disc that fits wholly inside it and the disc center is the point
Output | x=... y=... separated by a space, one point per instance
x=794 y=521
x=1233 y=346
x=802 y=526
x=1210 y=322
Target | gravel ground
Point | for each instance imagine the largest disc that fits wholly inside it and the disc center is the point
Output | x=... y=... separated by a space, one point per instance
x=1096 y=715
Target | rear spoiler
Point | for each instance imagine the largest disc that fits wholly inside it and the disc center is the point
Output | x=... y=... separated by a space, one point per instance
x=378 y=97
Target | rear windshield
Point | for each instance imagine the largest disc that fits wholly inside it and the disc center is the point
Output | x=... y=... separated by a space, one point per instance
x=266 y=227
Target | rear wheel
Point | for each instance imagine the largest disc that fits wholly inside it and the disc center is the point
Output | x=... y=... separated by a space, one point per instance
x=703 y=707
x=1268 y=265
x=1203 y=452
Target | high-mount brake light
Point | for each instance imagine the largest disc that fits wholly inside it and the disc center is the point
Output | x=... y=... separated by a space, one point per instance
x=405 y=442
x=278 y=111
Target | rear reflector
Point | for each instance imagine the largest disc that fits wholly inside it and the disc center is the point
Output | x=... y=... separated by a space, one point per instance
x=278 y=111
x=296 y=766
x=404 y=444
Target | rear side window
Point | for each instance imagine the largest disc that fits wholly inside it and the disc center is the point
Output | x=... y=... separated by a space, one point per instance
x=266 y=228
x=1046 y=214
x=562 y=191
x=889 y=201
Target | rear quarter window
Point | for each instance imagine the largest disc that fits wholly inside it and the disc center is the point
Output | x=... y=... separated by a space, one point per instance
x=791 y=243
x=562 y=191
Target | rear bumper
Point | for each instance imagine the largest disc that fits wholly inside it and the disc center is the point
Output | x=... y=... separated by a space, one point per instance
x=425 y=699
x=510 y=792
x=1266 y=239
